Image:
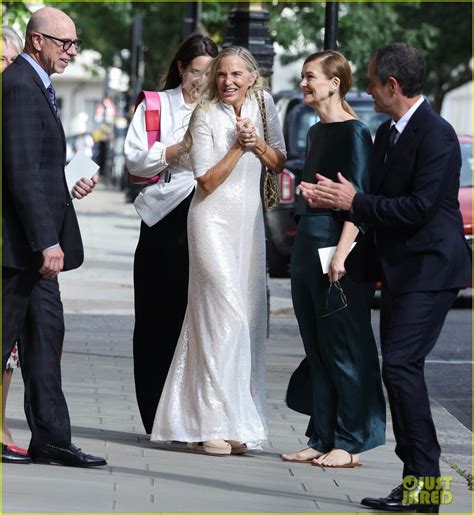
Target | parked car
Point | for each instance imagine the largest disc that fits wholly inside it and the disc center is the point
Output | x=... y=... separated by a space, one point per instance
x=296 y=119
x=465 y=191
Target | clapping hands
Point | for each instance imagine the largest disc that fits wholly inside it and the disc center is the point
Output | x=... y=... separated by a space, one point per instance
x=246 y=133
x=329 y=194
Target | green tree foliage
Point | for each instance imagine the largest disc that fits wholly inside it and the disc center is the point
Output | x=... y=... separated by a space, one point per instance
x=214 y=16
x=442 y=32
x=15 y=13
x=106 y=27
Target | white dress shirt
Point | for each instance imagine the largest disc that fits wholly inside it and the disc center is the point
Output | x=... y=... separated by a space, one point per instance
x=402 y=123
x=157 y=200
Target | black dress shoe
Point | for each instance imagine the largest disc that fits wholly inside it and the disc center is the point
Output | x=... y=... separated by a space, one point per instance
x=395 y=501
x=13 y=454
x=70 y=456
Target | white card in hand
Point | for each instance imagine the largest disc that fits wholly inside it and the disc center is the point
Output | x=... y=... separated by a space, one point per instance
x=325 y=256
x=80 y=166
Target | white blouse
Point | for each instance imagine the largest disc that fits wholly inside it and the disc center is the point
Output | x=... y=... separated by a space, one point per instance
x=156 y=201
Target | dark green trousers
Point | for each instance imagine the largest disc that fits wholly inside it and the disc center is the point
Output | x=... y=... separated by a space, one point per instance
x=348 y=407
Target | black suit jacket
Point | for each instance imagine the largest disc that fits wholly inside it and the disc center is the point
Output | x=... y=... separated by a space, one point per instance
x=413 y=206
x=37 y=210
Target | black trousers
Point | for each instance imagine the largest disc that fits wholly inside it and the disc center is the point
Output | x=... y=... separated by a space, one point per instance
x=33 y=315
x=410 y=325
x=161 y=271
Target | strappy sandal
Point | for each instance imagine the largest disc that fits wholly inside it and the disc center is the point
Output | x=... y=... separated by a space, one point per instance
x=307 y=456
x=350 y=465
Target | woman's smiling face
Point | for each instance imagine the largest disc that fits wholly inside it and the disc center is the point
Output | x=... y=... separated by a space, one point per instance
x=314 y=84
x=233 y=79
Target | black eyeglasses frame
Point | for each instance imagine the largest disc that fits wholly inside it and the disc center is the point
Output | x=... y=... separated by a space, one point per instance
x=67 y=43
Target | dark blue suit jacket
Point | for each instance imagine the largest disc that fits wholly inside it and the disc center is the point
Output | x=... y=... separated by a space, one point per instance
x=413 y=206
x=37 y=210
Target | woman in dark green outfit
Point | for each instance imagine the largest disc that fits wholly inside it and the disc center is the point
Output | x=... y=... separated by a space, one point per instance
x=333 y=311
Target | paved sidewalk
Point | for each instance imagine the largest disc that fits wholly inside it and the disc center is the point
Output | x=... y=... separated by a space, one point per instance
x=140 y=477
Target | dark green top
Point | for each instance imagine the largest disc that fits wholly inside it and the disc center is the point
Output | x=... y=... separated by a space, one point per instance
x=344 y=147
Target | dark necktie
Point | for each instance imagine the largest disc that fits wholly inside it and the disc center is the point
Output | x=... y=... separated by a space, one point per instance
x=52 y=97
x=392 y=139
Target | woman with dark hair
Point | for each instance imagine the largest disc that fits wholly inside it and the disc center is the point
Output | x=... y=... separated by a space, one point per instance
x=333 y=310
x=161 y=258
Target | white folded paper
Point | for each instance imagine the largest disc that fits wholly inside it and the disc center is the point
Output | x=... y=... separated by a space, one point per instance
x=325 y=256
x=80 y=166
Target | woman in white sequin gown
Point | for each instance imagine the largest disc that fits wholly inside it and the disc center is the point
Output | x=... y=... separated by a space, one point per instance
x=215 y=389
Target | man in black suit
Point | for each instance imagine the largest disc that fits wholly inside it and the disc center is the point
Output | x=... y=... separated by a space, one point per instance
x=422 y=253
x=41 y=235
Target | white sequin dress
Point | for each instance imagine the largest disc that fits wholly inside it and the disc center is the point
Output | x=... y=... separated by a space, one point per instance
x=215 y=387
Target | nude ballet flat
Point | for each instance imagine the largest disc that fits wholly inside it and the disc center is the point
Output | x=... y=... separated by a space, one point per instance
x=237 y=447
x=218 y=447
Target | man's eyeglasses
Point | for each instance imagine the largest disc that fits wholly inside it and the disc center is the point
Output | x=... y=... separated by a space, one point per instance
x=336 y=305
x=67 y=43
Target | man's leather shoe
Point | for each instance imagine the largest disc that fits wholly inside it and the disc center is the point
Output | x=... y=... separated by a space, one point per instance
x=13 y=454
x=70 y=456
x=395 y=502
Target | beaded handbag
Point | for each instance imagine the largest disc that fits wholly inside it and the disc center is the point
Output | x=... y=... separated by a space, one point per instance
x=271 y=189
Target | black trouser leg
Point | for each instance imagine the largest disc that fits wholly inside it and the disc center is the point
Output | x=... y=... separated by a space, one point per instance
x=40 y=348
x=410 y=326
x=16 y=291
x=161 y=292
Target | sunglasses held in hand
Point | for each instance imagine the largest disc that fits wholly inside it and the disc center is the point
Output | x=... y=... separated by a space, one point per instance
x=341 y=302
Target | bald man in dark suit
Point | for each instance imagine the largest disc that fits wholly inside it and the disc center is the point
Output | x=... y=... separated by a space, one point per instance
x=41 y=235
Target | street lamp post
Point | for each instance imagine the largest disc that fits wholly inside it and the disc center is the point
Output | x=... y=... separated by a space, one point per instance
x=137 y=71
x=192 y=16
x=248 y=27
x=330 y=26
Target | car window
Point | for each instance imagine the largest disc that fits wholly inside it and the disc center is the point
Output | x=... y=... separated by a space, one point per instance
x=301 y=118
x=466 y=168
x=307 y=118
x=368 y=116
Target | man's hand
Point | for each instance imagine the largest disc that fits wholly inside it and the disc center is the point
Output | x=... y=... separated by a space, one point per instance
x=53 y=262
x=84 y=186
x=327 y=193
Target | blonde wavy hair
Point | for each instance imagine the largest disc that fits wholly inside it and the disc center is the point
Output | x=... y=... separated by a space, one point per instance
x=210 y=94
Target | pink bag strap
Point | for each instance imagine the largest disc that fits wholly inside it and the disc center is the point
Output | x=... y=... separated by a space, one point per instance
x=152 y=126
x=152 y=114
